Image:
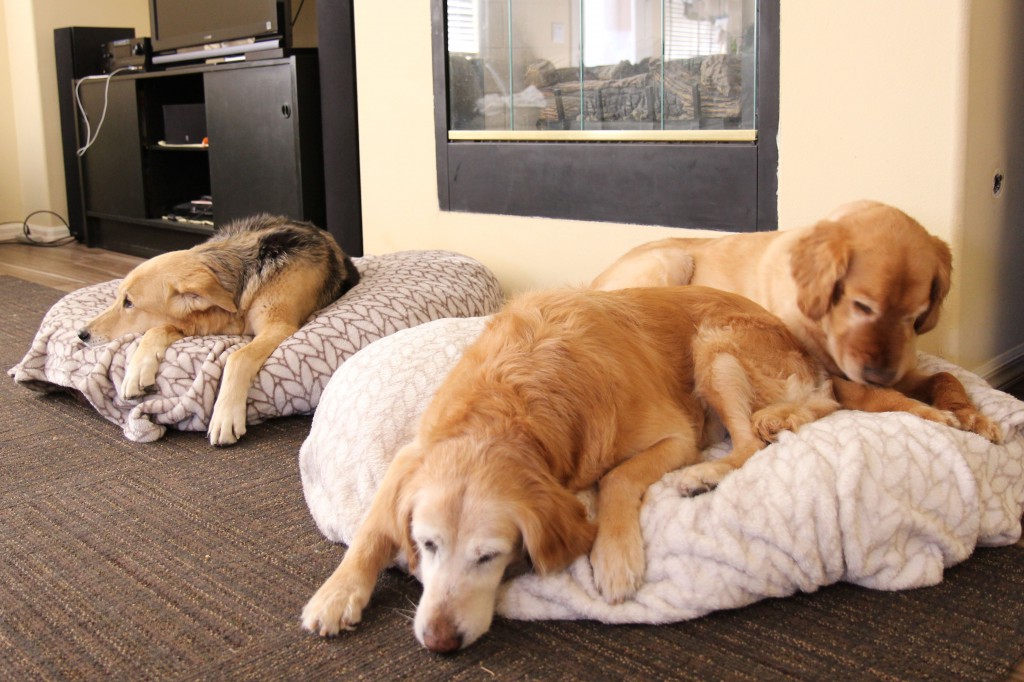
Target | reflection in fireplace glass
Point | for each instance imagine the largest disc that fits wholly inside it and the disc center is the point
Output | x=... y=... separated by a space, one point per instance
x=629 y=65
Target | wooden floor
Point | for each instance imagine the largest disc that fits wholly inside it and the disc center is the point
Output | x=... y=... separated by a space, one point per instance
x=65 y=268
x=74 y=266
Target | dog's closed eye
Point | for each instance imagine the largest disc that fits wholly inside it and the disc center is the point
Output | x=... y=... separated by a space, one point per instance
x=863 y=308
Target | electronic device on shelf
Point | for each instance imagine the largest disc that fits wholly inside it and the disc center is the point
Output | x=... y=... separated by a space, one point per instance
x=126 y=52
x=196 y=211
x=188 y=31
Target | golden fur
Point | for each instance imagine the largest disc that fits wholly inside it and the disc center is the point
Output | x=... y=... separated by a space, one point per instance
x=856 y=288
x=263 y=276
x=562 y=391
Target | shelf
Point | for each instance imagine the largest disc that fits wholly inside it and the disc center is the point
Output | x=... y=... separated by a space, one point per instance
x=179 y=226
x=177 y=147
x=134 y=178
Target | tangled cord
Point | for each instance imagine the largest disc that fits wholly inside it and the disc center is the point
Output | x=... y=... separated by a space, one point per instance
x=90 y=135
x=27 y=231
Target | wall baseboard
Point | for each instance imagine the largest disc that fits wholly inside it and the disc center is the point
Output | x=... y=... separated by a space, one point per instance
x=1004 y=369
x=42 y=233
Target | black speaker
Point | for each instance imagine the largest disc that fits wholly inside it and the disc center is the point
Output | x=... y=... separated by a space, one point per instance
x=185 y=123
x=337 y=54
x=80 y=52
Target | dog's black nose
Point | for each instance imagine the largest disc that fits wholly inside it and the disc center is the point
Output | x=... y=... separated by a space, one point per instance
x=84 y=334
x=879 y=376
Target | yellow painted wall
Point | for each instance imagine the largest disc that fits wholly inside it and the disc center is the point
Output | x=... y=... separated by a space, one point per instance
x=871 y=105
x=32 y=87
x=10 y=184
x=991 y=246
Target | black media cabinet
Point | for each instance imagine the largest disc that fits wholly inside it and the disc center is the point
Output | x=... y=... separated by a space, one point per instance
x=265 y=151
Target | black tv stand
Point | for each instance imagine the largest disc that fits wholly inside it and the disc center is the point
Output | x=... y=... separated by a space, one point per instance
x=264 y=154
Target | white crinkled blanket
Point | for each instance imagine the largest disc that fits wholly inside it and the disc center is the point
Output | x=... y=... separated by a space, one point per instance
x=886 y=501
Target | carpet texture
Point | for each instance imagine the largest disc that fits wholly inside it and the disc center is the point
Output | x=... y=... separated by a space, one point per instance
x=176 y=560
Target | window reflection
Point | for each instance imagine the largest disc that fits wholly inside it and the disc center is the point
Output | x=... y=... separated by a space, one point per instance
x=545 y=65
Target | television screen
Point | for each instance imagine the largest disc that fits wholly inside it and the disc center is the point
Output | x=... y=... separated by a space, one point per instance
x=188 y=23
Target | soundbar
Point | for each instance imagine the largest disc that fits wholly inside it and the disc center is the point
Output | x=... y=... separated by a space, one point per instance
x=224 y=52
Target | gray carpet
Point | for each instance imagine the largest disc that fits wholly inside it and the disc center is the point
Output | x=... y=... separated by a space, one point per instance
x=175 y=560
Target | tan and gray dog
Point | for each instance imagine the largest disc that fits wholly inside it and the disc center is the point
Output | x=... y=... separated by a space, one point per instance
x=263 y=275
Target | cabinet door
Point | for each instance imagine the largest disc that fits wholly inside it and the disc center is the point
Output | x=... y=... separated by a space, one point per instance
x=112 y=166
x=251 y=122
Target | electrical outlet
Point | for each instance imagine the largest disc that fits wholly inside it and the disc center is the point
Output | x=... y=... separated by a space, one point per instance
x=40 y=233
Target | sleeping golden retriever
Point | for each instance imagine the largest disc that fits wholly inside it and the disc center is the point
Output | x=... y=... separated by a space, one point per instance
x=264 y=275
x=564 y=390
x=857 y=289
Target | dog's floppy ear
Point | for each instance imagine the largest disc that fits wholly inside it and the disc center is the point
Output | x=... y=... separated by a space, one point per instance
x=819 y=262
x=554 y=524
x=397 y=488
x=200 y=290
x=940 y=287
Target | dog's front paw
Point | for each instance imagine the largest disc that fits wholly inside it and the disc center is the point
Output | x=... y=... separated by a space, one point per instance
x=330 y=611
x=619 y=563
x=227 y=424
x=933 y=414
x=972 y=420
x=140 y=375
x=699 y=478
x=769 y=422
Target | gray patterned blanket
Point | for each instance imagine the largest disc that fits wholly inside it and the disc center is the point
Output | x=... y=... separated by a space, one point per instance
x=397 y=291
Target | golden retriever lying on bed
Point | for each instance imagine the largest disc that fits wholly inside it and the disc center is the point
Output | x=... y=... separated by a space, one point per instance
x=857 y=289
x=263 y=275
x=564 y=390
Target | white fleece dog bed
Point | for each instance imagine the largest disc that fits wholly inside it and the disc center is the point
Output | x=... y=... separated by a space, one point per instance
x=396 y=291
x=886 y=501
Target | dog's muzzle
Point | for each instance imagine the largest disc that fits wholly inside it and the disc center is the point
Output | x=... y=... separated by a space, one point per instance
x=879 y=376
